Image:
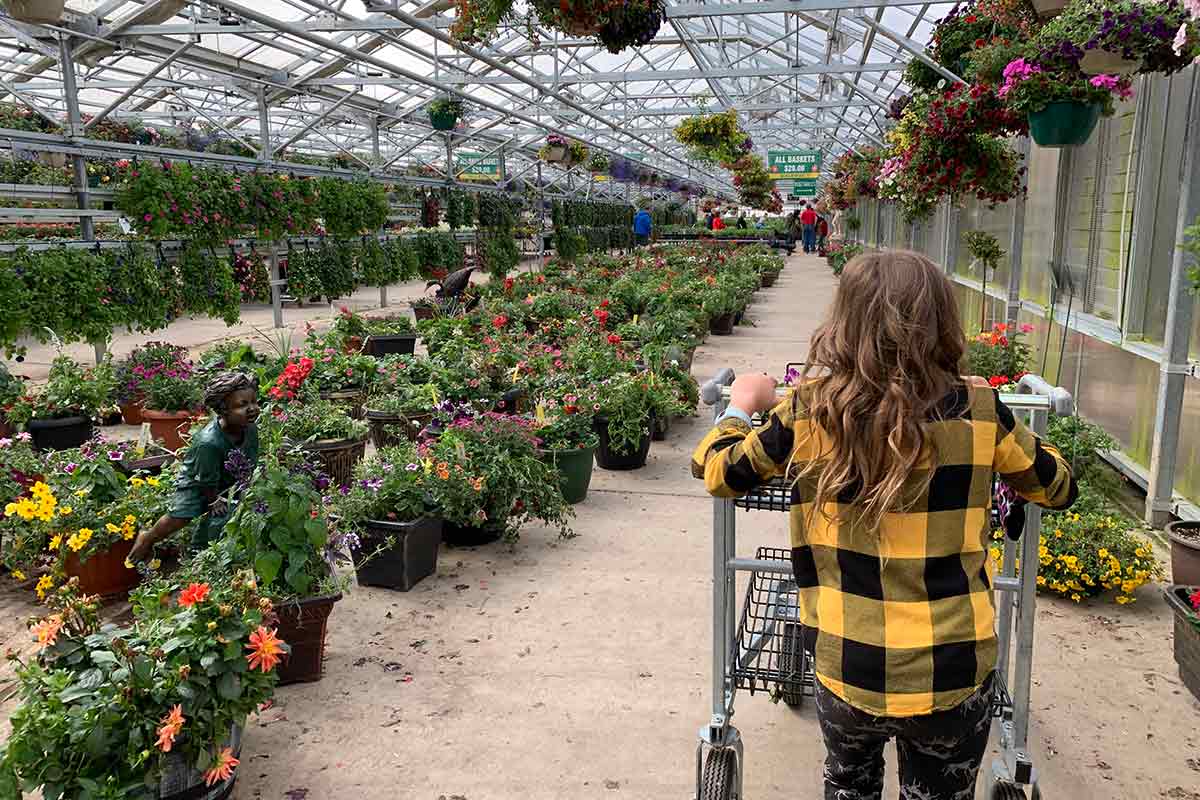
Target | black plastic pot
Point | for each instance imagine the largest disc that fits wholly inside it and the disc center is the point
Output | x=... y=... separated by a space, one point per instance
x=606 y=458
x=1187 y=636
x=457 y=535
x=391 y=344
x=722 y=325
x=403 y=564
x=59 y=434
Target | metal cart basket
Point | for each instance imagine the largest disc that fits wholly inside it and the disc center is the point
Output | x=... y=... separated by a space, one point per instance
x=763 y=648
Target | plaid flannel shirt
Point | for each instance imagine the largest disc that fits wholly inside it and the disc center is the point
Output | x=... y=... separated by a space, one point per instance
x=901 y=622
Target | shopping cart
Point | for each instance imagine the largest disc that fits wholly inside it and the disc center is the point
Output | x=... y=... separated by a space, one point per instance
x=765 y=650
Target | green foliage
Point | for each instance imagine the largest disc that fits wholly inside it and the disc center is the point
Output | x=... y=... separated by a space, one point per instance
x=350 y=208
x=70 y=390
x=1191 y=249
x=173 y=393
x=390 y=485
x=625 y=406
x=303 y=271
x=984 y=247
x=206 y=284
x=315 y=420
x=998 y=353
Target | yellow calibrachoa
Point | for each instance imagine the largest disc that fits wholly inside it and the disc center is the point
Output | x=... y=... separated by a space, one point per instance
x=55 y=542
x=80 y=539
x=44 y=584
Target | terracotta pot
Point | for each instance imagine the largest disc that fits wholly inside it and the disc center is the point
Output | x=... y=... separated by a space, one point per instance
x=303 y=625
x=1185 y=552
x=104 y=573
x=354 y=345
x=131 y=412
x=169 y=427
x=422 y=312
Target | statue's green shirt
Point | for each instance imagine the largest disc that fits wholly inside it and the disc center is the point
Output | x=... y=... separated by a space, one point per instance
x=204 y=469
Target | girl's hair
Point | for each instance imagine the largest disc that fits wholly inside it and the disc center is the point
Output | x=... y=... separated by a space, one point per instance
x=891 y=345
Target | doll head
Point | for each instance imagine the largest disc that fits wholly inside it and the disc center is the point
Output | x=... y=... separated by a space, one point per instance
x=233 y=396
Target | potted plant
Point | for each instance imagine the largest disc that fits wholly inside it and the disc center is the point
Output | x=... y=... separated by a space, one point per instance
x=1185 y=551
x=349 y=330
x=556 y=150
x=399 y=414
x=444 y=113
x=1107 y=37
x=323 y=428
x=394 y=335
x=12 y=389
x=144 y=363
x=721 y=304
x=598 y=163
x=577 y=153
x=488 y=480
x=161 y=702
x=60 y=415
x=1063 y=107
x=337 y=376
x=395 y=532
x=173 y=402
x=567 y=440
x=1185 y=603
x=281 y=526
x=624 y=421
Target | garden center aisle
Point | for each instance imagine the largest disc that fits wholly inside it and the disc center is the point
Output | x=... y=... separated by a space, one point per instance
x=580 y=669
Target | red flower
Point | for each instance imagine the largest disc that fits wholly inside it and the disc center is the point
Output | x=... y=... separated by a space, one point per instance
x=508 y=284
x=601 y=316
x=195 y=593
x=499 y=321
x=604 y=304
x=998 y=380
x=614 y=339
x=541 y=278
x=1195 y=599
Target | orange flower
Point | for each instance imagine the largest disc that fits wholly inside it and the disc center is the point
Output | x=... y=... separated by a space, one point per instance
x=47 y=630
x=222 y=769
x=195 y=593
x=266 y=648
x=171 y=725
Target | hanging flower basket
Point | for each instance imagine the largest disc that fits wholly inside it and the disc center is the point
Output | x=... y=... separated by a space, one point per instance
x=557 y=154
x=1064 y=124
x=1047 y=8
x=36 y=12
x=444 y=113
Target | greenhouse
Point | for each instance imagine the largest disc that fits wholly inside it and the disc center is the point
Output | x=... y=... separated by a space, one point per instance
x=395 y=396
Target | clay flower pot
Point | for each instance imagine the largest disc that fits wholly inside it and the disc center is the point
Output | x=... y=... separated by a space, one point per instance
x=169 y=427
x=104 y=574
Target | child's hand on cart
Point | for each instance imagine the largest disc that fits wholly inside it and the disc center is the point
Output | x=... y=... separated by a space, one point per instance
x=753 y=394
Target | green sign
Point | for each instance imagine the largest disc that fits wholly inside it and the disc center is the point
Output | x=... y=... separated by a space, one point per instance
x=472 y=166
x=798 y=165
x=802 y=189
x=635 y=156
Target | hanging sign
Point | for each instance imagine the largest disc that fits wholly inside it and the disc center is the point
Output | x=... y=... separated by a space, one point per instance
x=800 y=167
x=475 y=166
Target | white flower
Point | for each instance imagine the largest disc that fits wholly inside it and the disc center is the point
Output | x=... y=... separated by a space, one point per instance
x=1181 y=37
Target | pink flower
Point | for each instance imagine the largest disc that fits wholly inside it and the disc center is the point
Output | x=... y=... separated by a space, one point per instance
x=148 y=217
x=1181 y=35
x=1026 y=328
x=1105 y=82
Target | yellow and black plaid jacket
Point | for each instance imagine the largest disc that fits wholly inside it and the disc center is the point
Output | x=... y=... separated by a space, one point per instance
x=903 y=619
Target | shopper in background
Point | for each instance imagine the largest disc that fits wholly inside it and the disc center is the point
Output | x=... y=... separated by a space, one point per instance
x=822 y=234
x=741 y=223
x=808 y=221
x=718 y=223
x=642 y=225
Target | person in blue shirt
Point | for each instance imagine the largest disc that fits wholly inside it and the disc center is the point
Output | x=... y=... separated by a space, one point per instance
x=641 y=227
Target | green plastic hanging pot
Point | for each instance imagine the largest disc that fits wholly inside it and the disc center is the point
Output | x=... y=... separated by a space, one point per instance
x=443 y=120
x=1064 y=124
x=574 y=471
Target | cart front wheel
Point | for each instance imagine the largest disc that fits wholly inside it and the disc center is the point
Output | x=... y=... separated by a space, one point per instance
x=720 y=767
x=793 y=662
x=1009 y=791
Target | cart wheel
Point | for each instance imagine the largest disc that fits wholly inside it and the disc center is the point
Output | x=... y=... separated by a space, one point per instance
x=1007 y=791
x=793 y=661
x=719 y=775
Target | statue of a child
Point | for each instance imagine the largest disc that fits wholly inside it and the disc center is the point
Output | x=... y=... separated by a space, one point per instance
x=203 y=477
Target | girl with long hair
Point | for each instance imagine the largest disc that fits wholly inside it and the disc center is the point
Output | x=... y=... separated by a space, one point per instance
x=892 y=456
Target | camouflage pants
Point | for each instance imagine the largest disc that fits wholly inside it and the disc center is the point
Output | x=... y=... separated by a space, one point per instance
x=939 y=753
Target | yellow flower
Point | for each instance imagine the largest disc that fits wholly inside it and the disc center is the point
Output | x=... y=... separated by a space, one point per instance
x=1075 y=596
x=152 y=481
x=1122 y=600
x=44 y=584
x=79 y=540
x=155 y=563
x=65 y=511
x=18 y=575
x=1057 y=534
x=136 y=481
x=10 y=509
x=1140 y=553
x=130 y=519
x=55 y=542
x=1041 y=580
x=81 y=492
x=112 y=528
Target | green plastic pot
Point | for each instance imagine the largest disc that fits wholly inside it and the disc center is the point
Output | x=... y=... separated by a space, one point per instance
x=574 y=471
x=1065 y=124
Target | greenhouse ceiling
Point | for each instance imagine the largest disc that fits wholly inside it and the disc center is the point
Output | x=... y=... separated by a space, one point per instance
x=328 y=78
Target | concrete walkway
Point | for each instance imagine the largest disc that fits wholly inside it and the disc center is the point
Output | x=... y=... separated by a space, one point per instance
x=580 y=669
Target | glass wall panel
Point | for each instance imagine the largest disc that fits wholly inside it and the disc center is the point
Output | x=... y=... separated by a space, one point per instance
x=1039 y=224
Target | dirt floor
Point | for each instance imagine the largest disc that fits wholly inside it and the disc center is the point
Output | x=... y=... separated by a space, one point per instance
x=580 y=668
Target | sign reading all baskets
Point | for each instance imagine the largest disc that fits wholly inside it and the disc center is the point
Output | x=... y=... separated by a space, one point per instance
x=794 y=165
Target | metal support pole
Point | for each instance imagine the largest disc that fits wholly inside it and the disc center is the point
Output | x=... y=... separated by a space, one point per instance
x=87 y=230
x=373 y=128
x=265 y=151
x=1016 y=247
x=276 y=286
x=1173 y=372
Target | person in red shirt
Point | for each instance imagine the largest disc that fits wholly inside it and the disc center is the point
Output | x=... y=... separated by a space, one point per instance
x=718 y=223
x=822 y=234
x=808 y=219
